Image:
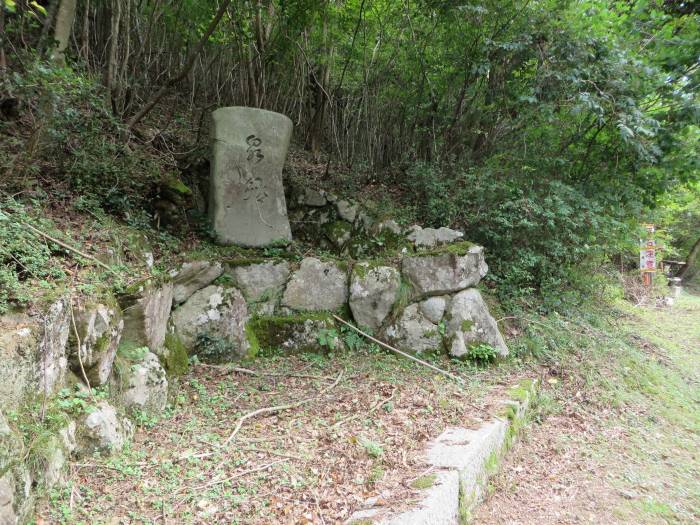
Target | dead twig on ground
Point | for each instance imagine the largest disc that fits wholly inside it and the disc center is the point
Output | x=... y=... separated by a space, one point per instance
x=278 y=408
x=68 y=247
x=374 y=408
x=250 y=372
x=239 y=474
x=272 y=453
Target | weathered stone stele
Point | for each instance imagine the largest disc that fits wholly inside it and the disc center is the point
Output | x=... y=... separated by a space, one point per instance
x=247 y=204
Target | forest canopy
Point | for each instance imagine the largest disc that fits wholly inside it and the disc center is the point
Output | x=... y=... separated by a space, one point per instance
x=546 y=129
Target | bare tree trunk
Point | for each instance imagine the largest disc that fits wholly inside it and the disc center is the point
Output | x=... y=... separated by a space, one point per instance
x=64 y=24
x=3 y=58
x=185 y=69
x=111 y=71
x=690 y=261
x=85 y=36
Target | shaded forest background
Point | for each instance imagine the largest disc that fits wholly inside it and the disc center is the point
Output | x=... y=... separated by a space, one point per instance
x=545 y=129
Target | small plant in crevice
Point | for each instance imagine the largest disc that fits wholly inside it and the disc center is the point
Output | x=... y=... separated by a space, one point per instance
x=352 y=339
x=481 y=353
x=328 y=338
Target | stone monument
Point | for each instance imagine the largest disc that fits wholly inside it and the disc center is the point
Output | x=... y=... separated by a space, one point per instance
x=246 y=197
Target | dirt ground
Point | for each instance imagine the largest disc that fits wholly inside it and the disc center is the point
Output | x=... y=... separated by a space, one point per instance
x=355 y=427
x=627 y=453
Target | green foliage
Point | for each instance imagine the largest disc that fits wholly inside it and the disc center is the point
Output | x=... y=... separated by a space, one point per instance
x=26 y=259
x=373 y=449
x=327 y=338
x=424 y=482
x=481 y=353
x=78 y=144
x=540 y=235
x=132 y=351
x=77 y=401
x=176 y=362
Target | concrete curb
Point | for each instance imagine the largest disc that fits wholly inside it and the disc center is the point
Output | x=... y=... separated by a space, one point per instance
x=463 y=459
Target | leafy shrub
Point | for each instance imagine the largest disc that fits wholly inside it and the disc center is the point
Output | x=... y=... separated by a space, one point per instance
x=78 y=143
x=541 y=234
x=25 y=258
x=481 y=353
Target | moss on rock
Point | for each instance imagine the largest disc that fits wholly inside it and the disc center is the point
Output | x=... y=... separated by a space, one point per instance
x=456 y=248
x=338 y=232
x=176 y=360
x=290 y=334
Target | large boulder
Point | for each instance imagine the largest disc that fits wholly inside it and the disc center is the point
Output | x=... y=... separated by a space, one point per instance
x=19 y=339
x=102 y=430
x=316 y=285
x=413 y=332
x=452 y=270
x=143 y=385
x=146 y=314
x=10 y=449
x=33 y=356
x=57 y=450
x=193 y=276
x=261 y=283
x=311 y=197
x=373 y=292
x=7 y=500
x=99 y=329
x=347 y=210
x=52 y=359
x=247 y=202
x=431 y=237
x=294 y=334
x=212 y=323
x=470 y=323
x=338 y=232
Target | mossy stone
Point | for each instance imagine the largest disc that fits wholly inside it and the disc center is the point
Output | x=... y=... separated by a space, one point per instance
x=338 y=232
x=176 y=361
x=290 y=334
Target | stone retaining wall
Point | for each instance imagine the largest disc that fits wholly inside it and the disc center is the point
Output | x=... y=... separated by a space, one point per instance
x=420 y=297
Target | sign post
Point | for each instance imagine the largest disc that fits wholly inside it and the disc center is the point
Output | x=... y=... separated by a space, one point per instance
x=647 y=255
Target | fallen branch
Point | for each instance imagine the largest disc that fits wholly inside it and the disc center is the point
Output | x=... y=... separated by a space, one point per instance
x=278 y=408
x=272 y=453
x=68 y=247
x=250 y=372
x=396 y=350
x=240 y=474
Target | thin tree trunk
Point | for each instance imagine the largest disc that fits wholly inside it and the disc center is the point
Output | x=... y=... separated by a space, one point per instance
x=111 y=72
x=85 y=36
x=64 y=24
x=690 y=261
x=185 y=69
x=3 y=58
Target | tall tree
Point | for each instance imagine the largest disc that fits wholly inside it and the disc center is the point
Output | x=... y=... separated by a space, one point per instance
x=62 y=30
